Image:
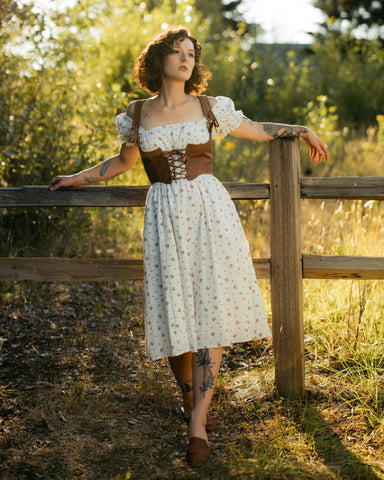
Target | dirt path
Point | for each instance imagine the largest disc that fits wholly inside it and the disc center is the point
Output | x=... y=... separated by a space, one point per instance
x=81 y=400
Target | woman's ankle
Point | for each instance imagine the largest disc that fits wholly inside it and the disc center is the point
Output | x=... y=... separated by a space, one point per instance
x=196 y=427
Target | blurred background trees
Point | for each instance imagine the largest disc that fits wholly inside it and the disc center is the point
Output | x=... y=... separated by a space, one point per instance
x=66 y=71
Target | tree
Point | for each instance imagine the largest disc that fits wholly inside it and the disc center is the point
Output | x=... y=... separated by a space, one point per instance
x=359 y=13
x=223 y=15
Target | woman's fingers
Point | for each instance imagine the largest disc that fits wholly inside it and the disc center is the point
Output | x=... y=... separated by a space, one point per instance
x=318 y=148
x=318 y=152
x=57 y=182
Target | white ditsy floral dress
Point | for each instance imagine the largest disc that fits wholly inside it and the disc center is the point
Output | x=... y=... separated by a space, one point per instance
x=200 y=284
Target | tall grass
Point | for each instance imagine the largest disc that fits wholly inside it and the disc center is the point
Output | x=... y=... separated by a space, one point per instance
x=343 y=319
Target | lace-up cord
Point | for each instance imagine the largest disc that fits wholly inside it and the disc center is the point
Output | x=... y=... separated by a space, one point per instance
x=176 y=162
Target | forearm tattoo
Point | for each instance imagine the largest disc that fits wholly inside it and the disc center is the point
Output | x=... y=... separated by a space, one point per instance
x=91 y=179
x=276 y=130
x=103 y=171
x=205 y=362
x=104 y=168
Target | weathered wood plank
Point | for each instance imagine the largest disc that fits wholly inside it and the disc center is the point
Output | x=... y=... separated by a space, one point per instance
x=131 y=196
x=262 y=267
x=97 y=196
x=85 y=269
x=338 y=266
x=106 y=196
x=70 y=269
x=286 y=267
x=93 y=269
x=247 y=191
x=343 y=187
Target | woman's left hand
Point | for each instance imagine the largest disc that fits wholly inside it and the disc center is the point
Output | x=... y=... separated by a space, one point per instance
x=318 y=147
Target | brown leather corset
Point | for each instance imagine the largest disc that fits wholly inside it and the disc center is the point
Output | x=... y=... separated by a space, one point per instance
x=190 y=162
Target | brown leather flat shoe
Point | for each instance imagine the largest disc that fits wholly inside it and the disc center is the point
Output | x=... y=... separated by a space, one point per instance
x=198 y=452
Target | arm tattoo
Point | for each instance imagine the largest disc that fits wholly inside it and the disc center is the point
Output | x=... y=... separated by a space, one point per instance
x=276 y=130
x=104 y=168
x=91 y=179
x=204 y=361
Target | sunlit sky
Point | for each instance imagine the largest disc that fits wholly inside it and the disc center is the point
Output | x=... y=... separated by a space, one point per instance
x=284 y=21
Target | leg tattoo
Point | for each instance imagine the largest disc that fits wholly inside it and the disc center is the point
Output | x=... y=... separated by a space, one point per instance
x=187 y=387
x=204 y=361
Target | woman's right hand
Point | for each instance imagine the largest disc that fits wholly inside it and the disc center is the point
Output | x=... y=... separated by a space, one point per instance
x=64 y=181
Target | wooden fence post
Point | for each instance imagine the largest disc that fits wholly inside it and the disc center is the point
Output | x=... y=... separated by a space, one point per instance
x=286 y=267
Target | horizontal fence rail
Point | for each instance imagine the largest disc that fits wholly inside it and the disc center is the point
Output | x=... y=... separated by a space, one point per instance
x=94 y=269
x=85 y=269
x=353 y=188
x=113 y=196
x=358 y=188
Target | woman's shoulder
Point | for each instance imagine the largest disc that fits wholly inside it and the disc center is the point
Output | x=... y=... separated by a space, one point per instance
x=131 y=107
x=221 y=104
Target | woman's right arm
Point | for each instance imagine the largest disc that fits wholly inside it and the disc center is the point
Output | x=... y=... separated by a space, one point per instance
x=110 y=168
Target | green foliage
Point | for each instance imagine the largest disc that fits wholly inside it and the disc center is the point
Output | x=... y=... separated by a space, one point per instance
x=351 y=73
x=360 y=13
x=66 y=72
x=275 y=80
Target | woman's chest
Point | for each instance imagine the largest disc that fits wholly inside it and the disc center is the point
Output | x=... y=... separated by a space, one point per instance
x=176 y=136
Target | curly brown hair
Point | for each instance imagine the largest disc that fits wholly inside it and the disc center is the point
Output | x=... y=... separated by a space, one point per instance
x=148 y=68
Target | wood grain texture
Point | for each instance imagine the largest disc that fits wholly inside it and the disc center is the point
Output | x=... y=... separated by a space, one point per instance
x=358 y=188
x=70 y=269
x=338 y=266
x=85 y=269
x=106 y=196
x=286 y=267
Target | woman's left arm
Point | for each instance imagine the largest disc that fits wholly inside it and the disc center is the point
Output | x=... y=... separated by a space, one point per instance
x=263 y=132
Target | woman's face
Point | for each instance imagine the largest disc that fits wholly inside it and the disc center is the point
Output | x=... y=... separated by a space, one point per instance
x=179 y=63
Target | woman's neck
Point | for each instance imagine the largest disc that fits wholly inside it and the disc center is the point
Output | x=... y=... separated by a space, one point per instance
x=172 y=94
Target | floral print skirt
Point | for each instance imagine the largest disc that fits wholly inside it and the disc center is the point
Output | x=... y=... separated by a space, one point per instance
x=200 y=284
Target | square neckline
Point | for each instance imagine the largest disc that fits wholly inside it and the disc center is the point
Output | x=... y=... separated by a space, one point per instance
x=190 y=122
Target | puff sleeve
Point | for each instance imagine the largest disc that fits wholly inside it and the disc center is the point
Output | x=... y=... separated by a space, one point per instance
x=123 y=126
x=228 y=117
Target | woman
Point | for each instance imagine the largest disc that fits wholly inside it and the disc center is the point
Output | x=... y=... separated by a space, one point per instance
x=200 y=287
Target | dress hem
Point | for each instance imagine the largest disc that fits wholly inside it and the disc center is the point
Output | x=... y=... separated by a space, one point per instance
x=156 y=358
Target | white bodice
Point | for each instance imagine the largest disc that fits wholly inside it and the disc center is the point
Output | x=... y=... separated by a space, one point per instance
x=179 y=135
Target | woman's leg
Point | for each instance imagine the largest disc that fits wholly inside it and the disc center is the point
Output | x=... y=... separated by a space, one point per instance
x=205 y=365
x=182 y=369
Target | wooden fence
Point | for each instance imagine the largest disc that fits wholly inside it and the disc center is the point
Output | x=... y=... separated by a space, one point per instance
x=286 y=268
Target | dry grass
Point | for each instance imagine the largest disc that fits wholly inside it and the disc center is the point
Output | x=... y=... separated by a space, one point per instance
x=80 y=400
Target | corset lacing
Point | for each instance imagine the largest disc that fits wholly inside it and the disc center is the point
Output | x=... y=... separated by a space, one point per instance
x=177 y=163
